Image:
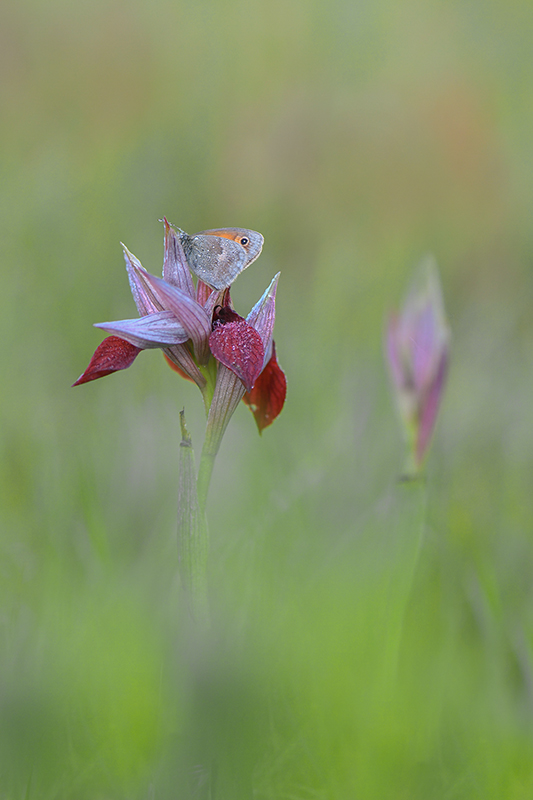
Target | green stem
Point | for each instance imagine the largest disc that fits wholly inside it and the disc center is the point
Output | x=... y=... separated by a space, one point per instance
x=193 y=534
x=410 y=506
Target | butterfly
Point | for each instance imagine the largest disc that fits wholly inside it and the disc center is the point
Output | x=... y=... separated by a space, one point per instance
x=218 y=256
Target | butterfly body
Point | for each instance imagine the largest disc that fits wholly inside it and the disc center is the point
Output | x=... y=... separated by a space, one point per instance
x=218 y=256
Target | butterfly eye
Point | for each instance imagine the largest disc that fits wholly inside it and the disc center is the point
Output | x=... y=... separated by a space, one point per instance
x=244 y=240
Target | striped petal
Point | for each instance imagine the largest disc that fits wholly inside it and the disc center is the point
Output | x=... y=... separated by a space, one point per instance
x=153 y=330
x=188 y=312
x=143 y=295
x=175 y=269
x=262 y=317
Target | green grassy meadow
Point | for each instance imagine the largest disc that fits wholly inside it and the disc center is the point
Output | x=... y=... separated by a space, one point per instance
x=342 y=664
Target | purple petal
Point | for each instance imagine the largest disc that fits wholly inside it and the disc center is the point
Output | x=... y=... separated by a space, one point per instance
x=188 y=312
x=144 y=297
x=203 y=292
x=215 y=298
x=429 y=407
x=180 y=355
x=153 y=330
x=424 y=331
x=424 y=347
x=263 y=314
x=175 y=269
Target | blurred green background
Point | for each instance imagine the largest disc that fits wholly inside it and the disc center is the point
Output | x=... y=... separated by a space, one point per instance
x=356 y=136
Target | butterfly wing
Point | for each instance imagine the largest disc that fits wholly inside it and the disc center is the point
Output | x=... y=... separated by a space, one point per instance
x=218 y=256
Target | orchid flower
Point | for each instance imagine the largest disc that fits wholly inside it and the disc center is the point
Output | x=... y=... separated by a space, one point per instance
x=229 y=358
x=417 y=349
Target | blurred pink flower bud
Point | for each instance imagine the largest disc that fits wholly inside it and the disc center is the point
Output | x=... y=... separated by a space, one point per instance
x=417 y=352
